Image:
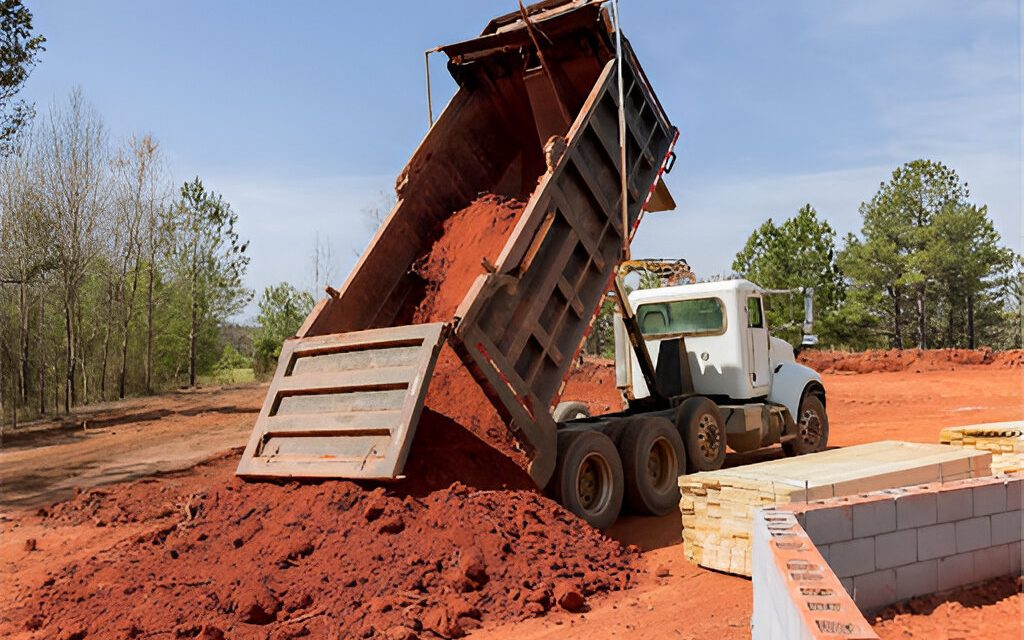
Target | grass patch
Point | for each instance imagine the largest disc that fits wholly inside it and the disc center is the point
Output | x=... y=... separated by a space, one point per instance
x=229 y=376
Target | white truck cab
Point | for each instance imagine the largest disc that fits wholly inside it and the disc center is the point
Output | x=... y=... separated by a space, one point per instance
x=726 y=337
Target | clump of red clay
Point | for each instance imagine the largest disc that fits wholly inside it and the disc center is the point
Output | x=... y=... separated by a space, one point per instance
x=876 y=360
x=330 y=560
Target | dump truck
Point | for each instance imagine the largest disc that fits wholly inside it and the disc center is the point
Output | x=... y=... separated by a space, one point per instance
x=553 y=109
x=721 y=379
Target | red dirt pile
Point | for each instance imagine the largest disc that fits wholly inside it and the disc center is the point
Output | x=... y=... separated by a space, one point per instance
x=463 y=540
x=329 y=560
x=875 y=360
x=593 y=382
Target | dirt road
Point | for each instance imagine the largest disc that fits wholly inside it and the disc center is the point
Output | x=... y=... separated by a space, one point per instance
x=674 y=599
x=119 y=441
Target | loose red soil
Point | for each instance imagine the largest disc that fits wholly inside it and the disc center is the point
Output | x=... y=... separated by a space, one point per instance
x=994 y=611
x=331 y=559
x=455 y=260
x=90 y=550
x=449 y=269
x=916 y=360
x=593 y=382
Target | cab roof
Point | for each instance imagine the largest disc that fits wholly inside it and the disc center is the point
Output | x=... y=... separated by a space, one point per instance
x=736 y=286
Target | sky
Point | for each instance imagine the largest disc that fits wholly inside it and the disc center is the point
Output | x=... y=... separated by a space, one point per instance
x=302 y=114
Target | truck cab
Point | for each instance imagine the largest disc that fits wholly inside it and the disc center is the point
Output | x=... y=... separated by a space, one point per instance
x=728 y=346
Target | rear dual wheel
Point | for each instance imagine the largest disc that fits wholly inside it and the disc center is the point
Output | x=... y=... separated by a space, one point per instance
x=588 y=477
x=653 y=458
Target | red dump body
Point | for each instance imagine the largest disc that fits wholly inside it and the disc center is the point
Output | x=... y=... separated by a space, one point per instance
x=349 y=388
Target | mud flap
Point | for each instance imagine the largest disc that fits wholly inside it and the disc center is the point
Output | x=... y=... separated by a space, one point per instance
x=344 y=405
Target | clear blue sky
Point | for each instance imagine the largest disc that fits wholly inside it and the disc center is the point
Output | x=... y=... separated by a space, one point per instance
x=302 y=113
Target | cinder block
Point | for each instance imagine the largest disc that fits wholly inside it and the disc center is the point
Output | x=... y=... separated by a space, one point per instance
x=955 y=571
x=896 y=549
x=1007 y=527
x=955 y=505
x=833 y=524
x=848 y=585
x=873 y=518
x=872 y=591
x=989 y=499
x=1014 y=493
x=918 y=579
x=824 y=551
x=852 y=557
x=916 y=510
x=991 y=562
x=936 y=541
x=972 y=534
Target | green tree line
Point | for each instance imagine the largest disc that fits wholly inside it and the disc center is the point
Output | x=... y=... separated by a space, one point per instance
x=926 y=270
x=112 y=281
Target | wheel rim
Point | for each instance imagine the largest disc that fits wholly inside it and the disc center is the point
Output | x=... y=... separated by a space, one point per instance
x=593 y=483
x=810 y=427
x=708 y=436
x=662 y=464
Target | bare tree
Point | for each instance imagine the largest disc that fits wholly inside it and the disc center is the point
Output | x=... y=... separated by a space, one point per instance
x=71 y=165
x=323 y=269
x=141 y=195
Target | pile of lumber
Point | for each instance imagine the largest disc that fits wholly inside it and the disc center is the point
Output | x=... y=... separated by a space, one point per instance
x=718 y=506
x=1004 y=440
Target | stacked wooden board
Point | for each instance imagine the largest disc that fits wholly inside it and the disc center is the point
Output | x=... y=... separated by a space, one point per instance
x=718 y=506
x=1005 y=440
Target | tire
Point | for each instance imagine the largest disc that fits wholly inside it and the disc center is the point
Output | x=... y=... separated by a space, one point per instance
x=615 y=429
x=653 y=458
x=588 y=477
x=702 y=428
x=812 y=428
x=570 y=411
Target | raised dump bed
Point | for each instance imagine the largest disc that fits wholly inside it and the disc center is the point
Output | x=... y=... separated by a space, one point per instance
x=536 y=126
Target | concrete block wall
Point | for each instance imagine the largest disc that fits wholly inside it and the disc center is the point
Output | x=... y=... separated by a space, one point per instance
x=896 y=544
x=796 y=596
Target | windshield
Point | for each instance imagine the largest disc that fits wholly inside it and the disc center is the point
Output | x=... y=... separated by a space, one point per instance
x=700 y=316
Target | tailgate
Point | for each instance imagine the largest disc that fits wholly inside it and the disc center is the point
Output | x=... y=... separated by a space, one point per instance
x=344 y=405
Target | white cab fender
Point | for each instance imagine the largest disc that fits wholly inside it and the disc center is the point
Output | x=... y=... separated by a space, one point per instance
x=789 y=380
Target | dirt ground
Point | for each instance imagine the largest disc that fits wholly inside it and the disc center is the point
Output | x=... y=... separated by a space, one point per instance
x=166 y=436
x=997 y=607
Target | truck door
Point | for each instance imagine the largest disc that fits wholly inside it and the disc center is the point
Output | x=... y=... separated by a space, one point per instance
x=757 y=344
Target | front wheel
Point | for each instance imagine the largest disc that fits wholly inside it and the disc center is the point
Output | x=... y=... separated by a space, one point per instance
x=588 y=477
x=811 y=428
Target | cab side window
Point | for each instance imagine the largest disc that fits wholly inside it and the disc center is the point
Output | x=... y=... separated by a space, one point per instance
x=755 y=317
